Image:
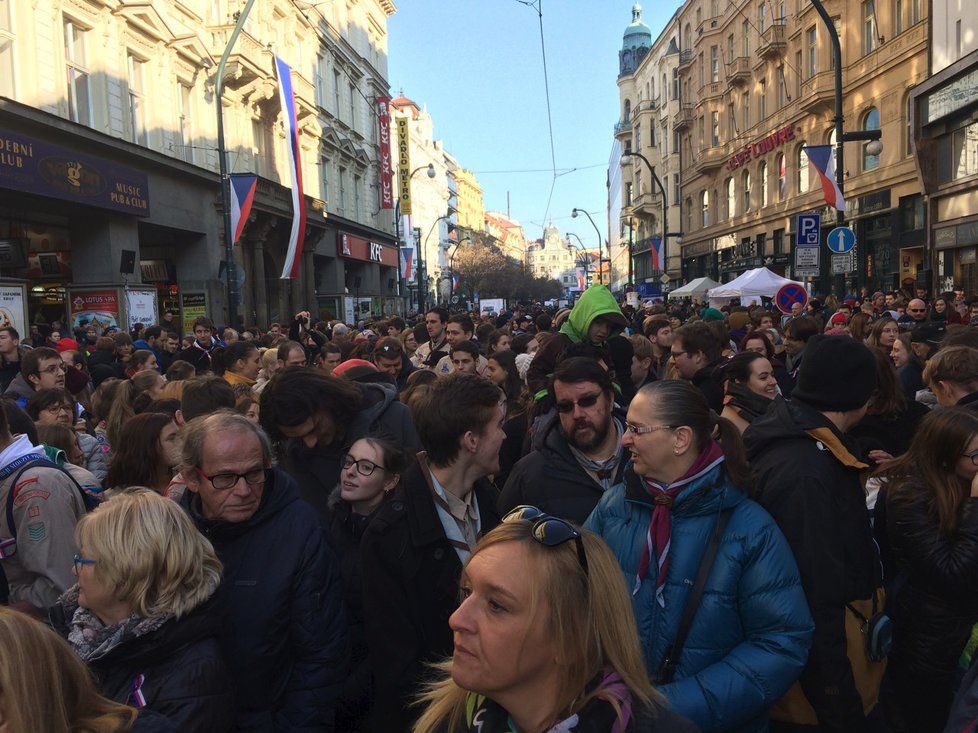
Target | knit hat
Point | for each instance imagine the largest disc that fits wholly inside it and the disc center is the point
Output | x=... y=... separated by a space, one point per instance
x=738 y=320
x=523 y=364
x=838 y=319
x=66 y=344
x=837 y=374
x=561 y=316
x=351 y=369
x=711 y=314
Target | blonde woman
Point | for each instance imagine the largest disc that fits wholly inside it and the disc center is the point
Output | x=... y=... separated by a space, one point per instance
x=544 y=640
x=45 y=687
x=140 y=615
x=269 y=365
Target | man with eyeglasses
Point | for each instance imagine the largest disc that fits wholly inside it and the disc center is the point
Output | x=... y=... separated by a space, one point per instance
x=284 y=635
x=414 y=548
x=576 y=451
x=696 y=352
x=40 y=368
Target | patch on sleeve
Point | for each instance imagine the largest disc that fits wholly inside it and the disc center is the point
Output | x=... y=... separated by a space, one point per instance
x=22 y=497
x=37 y=531
x=34 y=512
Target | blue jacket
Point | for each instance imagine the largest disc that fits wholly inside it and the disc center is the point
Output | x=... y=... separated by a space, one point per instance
x=750 y=637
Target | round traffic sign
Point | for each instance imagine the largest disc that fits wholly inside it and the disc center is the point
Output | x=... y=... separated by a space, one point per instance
x=790 y=294
x=841 y=240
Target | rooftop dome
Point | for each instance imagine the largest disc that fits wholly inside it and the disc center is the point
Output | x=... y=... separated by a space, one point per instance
x=637 y=34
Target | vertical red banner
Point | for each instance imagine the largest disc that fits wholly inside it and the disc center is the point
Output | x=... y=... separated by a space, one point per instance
x=385 y=172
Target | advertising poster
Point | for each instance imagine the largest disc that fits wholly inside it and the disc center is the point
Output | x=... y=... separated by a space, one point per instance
x=141 y=307
x=97 y=307
x=192 y=305
x=357 y=309
x=12 y=308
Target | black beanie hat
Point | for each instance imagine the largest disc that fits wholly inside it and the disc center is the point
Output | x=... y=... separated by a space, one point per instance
x=837 y=374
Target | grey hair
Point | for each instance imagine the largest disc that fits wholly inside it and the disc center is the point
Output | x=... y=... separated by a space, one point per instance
x=197 y=431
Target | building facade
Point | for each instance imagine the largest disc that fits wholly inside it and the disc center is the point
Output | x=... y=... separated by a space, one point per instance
x=755 y=85
x=131 y=85
x=649 y=99
x=507 y=234
x=945 y=132
x=471 y=208
x=558 y=259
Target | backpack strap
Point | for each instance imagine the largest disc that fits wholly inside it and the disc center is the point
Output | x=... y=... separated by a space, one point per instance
x=8 y=547
x=671 y=659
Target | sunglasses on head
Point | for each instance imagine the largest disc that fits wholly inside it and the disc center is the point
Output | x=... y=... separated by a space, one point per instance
x=584 y=402
x=549 y=531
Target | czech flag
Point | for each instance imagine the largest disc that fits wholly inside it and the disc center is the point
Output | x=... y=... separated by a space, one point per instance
x=456 y=279
x=294 y=254
x=658 y=249
x=242 y=197
x=407 y=263
x=822 y=159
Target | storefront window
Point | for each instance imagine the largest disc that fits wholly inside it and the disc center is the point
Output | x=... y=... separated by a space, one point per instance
x=871 y=121
x=958 y=154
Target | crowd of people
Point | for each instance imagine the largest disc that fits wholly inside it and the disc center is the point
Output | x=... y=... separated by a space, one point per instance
x=669 y=518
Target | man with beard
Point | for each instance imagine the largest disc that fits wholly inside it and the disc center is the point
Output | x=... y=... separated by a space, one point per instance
x=577 y=453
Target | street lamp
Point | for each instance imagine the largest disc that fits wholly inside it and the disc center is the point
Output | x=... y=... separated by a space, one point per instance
x=397 y=225
x=574 y=214
x=665 y=206
x=586 y=258
x=451 y=266
x=422 y=275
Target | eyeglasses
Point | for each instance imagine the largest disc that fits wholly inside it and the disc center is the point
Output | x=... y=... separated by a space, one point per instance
x=973 y=457
x=641 y=430
x=364 y=467
x=58 y=409
x=677 y=354
x=79 y=562
x=549 y=531
x=917 y=310
x=54 y=369
x=223 y=481
x=590 y=400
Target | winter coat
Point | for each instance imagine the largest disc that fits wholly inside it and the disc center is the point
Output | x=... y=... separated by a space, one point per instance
x=892 y=434
x=707 y=381
x=596 y=301
x=201 y=359
x=95 y=461
x=550 y=477
x=185 y=678
x=750 y=636
x=10 y=369
x=103 y=365
x=410 y=588
x=317 y=469
x=284 y=631
x=19 y=390
x=806 y=474
x=345 y=532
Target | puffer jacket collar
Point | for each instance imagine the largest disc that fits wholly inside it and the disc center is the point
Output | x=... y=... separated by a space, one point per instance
x=708 y=492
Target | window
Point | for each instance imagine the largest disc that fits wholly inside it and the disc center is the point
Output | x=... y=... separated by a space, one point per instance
x=79 y=97
x=958 y=154
x=897 y=17
x=779 y=241
x=341 y=208
x=700 y=131
x=871 y=121
x=665 y=139
x=664 y=90
x=957 y=38
x=675 y=189
x=6 y=50
x=745 y=36
x=353 y=106
x=715 y=63
x=746 y=112
x=258 y=146
x=626 y=114
x=803 y=170
x=914 y=12
x=715 y=129
x=731 y=197
x=705 y=208
x=638 y=138
x=781 y=13
x=762 y=176
x=730 y=48
x=837 y=22
x=628 y=194
x=337 y=94
x=185 y=100
x=320 y=73
x=675 y=83
x=687 y=38
x=137 y=101
x=798 y=72
x=811 y=43
x=357 y=183
x=324 y=178
x=762 y=18
x=779 y=82
x=913 y=213
x=714 y=8
x=762 y=100
x=746 y=186
x=782 y=177
x=689 y=215
x=870 y=33
x=699 y=70
x=676 y=141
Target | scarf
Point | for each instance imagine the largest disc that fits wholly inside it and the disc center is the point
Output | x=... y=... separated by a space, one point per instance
x=659 y=534
x=234 y=379
x=748 y=403
x=92 y=640
x=207 y=351
x=482 y=715
x=604 y=470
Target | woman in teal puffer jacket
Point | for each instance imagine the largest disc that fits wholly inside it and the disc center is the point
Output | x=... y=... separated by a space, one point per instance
x=750 y=635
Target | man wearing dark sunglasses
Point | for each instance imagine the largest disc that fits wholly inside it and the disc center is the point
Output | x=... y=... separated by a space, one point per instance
x=577 y=453
x=916 y=313
x=413 y=550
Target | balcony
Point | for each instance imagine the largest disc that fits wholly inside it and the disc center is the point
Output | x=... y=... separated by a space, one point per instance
x=710 y=159
x=684 y=118
x=249 y=62
x=708 y=27
x=685 y=60
x=738 y=70
x=623 y=128
x=709 y=92
x=772 y=41
x=647 y=204
x=817 y=92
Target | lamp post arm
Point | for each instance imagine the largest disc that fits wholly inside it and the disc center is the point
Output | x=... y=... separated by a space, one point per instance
x=840 y=168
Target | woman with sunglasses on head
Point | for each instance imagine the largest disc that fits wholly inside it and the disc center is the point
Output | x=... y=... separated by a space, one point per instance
x=722 y=617
x=544 y=640
x=371 y=469
x=931 y=532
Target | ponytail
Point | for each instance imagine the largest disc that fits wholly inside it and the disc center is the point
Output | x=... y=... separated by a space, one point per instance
x=735 y=454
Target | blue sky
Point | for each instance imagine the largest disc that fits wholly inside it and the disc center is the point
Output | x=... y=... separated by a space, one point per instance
x=477 y=65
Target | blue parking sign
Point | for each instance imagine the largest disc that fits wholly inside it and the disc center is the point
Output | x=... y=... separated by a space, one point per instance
x=809 y=230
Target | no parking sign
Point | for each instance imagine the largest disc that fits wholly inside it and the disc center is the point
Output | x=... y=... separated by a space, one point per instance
x=790 y=294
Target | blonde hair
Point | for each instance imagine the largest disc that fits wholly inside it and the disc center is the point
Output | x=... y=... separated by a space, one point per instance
x=122 y=403
x=173 y=390
x=149 y=554
x=590 y=616
x=45 y=686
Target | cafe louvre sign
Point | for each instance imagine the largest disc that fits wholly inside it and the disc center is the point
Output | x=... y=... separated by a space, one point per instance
x=761 y=147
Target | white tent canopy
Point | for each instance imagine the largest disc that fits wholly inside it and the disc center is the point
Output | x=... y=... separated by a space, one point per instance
x=752 y=284
x=694 y=289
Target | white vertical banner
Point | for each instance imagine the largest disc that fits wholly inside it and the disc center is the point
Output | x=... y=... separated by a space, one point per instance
x=141 y=307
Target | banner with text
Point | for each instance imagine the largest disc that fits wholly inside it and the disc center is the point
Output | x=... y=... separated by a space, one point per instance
x=385 y=172
x=403 y=165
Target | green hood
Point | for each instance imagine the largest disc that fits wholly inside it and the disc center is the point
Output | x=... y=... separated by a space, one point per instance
x=596 y=301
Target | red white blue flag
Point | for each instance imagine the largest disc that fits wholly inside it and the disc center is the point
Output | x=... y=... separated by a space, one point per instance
x=658 y=249
x=456 y=279
x=242 y=197
x=822 y=159
x=294 y=254
x=407 y=263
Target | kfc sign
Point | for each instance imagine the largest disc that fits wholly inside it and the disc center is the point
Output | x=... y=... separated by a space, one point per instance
x=761 y=147
x=353 y=247
x=385 y=171
x=376 y=251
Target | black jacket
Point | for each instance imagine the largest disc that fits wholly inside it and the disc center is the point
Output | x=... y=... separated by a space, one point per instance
x=892 y=434
x=103 y=365
x=185 y=677
x=819 y=503
x=317 y=469
x=709 y=383
x=345 y=532
x=410 y=587
x=551 y=479
x=284 y=633
x=202 y=360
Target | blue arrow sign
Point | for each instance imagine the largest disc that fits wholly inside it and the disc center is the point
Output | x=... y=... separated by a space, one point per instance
x=841 y=240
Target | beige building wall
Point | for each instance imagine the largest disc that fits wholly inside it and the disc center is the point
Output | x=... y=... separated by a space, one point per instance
x=471 y=209
x=954 y=32
x=508 y=234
